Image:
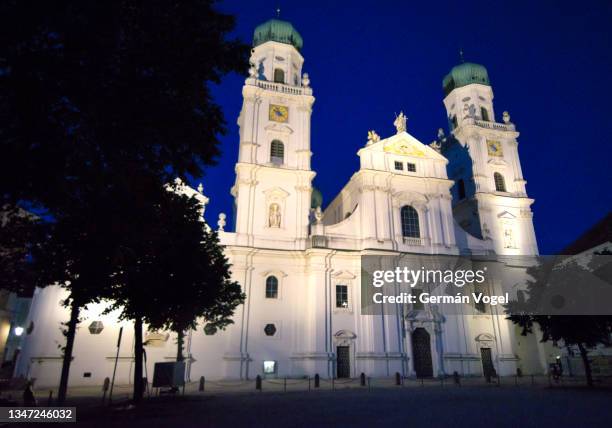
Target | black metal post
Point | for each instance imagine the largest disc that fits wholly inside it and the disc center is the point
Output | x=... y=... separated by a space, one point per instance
x=110 y=394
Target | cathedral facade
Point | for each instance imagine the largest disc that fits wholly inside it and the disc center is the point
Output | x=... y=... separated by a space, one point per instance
x=300 y=265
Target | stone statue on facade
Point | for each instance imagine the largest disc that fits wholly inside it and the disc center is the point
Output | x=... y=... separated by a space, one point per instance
x=400 y=122
x=472 y=111
x=373 y=137
x=221 y=223
x=508 y=239
x=318 y=214
x=274 y=217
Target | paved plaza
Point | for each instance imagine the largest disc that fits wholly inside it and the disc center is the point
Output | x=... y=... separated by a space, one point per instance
x=430 y=405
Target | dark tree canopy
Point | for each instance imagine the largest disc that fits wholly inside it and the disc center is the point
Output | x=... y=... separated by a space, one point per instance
x=178 y=273
x=101 y=104
x=564 y=278
x=88 y=87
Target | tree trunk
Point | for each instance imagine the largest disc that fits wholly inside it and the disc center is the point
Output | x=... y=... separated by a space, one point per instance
x=138 y=355
x=587 y=364
x=72 y=324
x=179 y=345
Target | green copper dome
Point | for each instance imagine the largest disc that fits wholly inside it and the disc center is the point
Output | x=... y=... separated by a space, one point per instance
x=316 y=199
x=277 y=31
x=465 y=74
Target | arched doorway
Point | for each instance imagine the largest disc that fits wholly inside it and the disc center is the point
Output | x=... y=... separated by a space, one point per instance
x=344 y=340
x=421 y=353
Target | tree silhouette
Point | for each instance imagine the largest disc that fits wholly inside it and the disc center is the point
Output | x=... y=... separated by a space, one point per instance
x=566 y=306
x=101 y=104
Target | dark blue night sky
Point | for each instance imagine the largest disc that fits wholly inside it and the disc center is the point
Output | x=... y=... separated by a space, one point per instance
x=550 y=65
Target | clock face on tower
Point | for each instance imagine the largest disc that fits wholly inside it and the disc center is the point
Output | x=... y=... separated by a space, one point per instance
x=494 y=148
x=278 y=113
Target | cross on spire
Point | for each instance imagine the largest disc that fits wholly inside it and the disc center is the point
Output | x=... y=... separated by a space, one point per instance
x=461 y=54
x=278 y=11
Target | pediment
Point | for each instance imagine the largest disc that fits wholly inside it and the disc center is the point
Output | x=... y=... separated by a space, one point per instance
x=345 y=334
x=276 y=193
x=484 y=337
x=404 y=144
x=277 y=273
x=506 y=215
x=408 y=197
x=343 y=274
x=280 y=128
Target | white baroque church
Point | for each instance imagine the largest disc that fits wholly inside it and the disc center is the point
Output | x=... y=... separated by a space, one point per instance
x=299 y=265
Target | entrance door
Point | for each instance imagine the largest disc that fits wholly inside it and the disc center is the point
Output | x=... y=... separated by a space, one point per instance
x=421 y=353
x=487 y=362
x=343 y=363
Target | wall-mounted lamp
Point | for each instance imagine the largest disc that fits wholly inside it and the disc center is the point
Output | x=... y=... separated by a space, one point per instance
x=18 y=331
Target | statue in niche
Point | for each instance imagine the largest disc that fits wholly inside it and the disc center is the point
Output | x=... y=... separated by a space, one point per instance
x=260 y=71
x=486 y=233
x=400 y=122
x=274 y=216
x=472 y=111
x=508 y=239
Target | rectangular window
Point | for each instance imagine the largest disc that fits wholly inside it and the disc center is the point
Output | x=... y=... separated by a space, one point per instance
x=417 y=305
x=411 y=167
x=269 y=367
x=341 y=296
x=480 y=305
x=399 y=166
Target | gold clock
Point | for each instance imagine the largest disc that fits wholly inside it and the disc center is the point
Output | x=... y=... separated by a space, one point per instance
x=494 y=148
x=278 y=113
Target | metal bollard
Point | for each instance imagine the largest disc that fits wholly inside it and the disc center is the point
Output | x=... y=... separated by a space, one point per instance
x=105 y=387
x=398 y=379
x=258 y=382
x=362 y=379
x=50 y=399
x=201 y=386
x=456 y=378
x=317 y=380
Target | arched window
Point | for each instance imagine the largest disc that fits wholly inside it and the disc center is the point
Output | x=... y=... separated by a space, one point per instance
x=410 y=222
x=279 y=75
x=271 y=287
x=277 y=152
x=461 y=188
x=500 y=184
x=484 y=114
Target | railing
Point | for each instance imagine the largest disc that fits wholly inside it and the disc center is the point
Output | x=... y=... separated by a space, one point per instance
x=319 y=241
x=414 y=241
x=493 y=125
x=280 y=87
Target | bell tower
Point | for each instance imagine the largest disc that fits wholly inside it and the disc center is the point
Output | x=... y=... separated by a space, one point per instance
x=489 y=196
x=273 y=177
